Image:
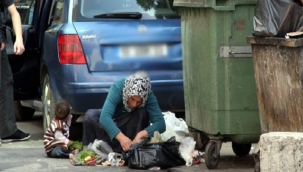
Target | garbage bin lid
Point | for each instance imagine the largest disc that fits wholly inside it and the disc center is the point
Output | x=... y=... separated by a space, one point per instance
x=278 y=41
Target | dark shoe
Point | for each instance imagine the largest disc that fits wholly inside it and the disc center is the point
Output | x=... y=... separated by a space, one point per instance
x=17 y=136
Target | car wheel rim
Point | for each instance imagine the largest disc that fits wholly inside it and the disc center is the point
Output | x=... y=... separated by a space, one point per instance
x=47 y=105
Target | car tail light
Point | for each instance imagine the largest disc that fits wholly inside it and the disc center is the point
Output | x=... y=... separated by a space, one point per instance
x=70 y=50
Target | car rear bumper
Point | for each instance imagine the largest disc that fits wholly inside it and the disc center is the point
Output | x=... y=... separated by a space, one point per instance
x=92 y=96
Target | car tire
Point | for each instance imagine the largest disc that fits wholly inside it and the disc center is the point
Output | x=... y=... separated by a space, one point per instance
x=23 y=113
x=48 y=102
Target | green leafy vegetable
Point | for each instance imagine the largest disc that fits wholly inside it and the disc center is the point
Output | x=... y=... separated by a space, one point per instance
x=84 y=154
x=76 y=145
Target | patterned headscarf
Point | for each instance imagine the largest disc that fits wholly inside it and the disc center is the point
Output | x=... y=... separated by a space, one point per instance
x=137 y=84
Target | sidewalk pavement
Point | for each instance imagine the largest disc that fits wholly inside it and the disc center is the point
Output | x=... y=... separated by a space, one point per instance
x=29 y=156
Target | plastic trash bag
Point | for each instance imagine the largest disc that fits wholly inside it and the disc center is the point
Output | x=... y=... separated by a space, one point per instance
x=100 y=147
x=114 y=159
x=145 y=156
x=174 y=127
x=157 y=138
x=186 y=149
x=277 y=17
x=188 y=152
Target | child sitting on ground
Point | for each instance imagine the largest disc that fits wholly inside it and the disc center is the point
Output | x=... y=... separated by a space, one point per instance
x=56 y=140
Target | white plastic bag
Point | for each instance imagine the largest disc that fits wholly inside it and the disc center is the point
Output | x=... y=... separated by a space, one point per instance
x=188 y=152
x=186 y=149
x=100 y=147
x=114 y=159
x=174 y=127
x=157 y=138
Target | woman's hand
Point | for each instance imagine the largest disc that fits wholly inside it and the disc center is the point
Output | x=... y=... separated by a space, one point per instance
x=141 y=135
x=2 y=46
x=125 y=142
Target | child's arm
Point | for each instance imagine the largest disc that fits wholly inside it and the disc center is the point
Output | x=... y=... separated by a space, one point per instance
x=69 y=120
x=59 y=136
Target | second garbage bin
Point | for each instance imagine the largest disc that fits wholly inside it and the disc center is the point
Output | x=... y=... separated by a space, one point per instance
x=219 y=85
x=278 y=66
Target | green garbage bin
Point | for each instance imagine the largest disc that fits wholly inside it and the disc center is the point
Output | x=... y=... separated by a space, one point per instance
x=219 y=85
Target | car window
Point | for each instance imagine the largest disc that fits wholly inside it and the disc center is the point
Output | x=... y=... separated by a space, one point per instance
x=58 y=12
x=26 y=10
x=150 y=9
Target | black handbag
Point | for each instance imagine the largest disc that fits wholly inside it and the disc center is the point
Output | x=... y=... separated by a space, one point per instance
x=147 y=155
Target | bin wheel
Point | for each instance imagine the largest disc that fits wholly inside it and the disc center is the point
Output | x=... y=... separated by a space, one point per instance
x=211 y=158
x=241 y=149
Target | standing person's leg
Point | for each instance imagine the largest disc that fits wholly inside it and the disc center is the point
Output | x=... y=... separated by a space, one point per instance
x=2 y=117
x=8 y=127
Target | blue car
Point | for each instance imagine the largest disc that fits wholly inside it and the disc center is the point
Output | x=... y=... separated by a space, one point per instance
x=75 y=50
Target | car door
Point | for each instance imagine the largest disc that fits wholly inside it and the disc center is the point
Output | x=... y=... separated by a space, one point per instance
x=25 y=67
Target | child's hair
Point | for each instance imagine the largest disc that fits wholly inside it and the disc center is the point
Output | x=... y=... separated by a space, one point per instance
x=62 y=110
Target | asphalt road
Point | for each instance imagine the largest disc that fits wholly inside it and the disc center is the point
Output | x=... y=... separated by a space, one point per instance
x=29 y=156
